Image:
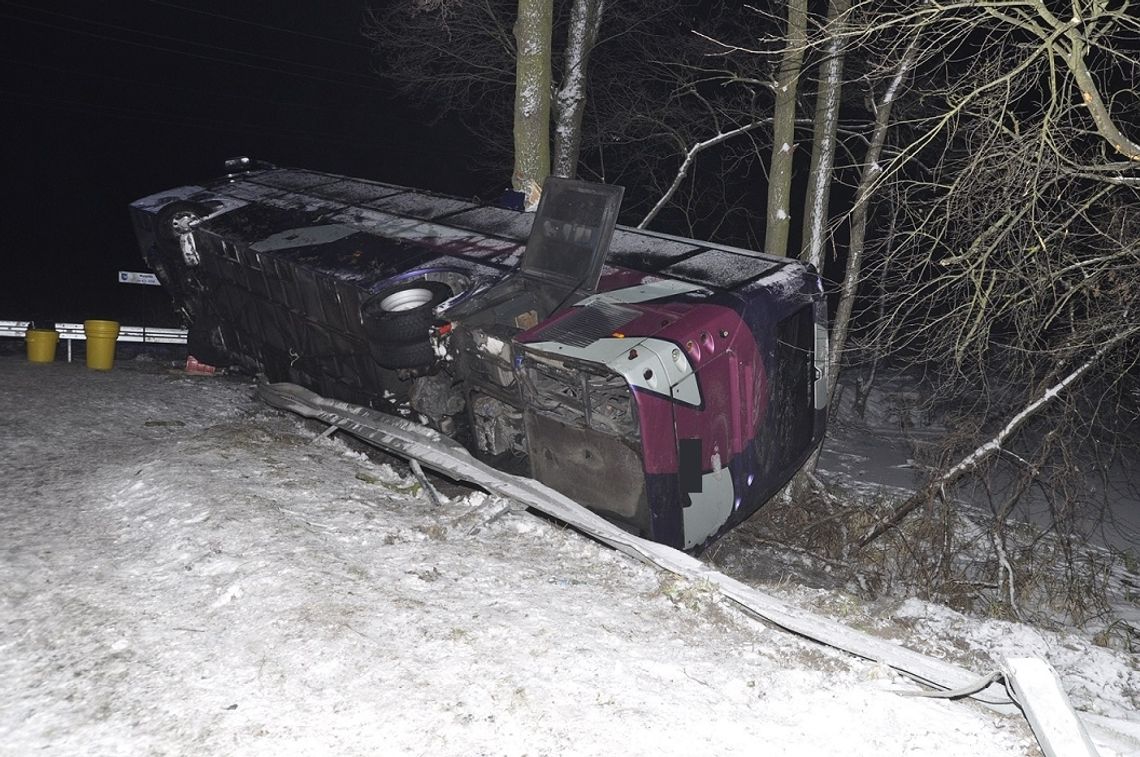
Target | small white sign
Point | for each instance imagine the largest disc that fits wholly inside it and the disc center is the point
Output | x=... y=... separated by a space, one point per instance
x=137 y=277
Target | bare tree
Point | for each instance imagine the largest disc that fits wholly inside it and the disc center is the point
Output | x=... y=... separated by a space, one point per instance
x=870 y=173
x=532 y=98
x=997 y=138
x=452 y=58
x=985 y=159
x=823 y=144
x=570 y=99
x=779 y=207
x=1005 y=279
x=491 y=64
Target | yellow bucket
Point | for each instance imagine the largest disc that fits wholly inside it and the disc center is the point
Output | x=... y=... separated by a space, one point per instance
x=41 y=345
x=101 y=336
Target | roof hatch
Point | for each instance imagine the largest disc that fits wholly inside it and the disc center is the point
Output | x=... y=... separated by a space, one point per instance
x=571 y=233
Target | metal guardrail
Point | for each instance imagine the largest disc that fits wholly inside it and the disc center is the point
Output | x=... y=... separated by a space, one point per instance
x=69 y=332
x=14 y=328
x=1060 y=731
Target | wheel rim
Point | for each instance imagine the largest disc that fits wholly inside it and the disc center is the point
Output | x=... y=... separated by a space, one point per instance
x=181 y=221
x=407 y=299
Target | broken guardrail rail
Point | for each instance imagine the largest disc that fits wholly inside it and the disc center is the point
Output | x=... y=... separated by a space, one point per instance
x=1037 y=692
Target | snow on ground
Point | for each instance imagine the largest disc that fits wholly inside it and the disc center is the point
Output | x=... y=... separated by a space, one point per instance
x=873 y=452
x=185 y=571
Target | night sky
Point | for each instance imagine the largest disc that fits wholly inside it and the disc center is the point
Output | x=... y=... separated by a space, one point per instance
x=108 y=102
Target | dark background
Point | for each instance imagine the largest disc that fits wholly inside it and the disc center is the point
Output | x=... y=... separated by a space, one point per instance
x=108 y=102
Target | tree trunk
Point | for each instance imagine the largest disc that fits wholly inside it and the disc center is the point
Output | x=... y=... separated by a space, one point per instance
x=823 y=146
x=869 y=178
x=532 y=98
x=823 y=140
x=783 y=132
x=570 y=100
x=867 y=183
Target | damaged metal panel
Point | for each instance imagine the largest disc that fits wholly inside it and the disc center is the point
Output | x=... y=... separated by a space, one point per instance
x=628 y=359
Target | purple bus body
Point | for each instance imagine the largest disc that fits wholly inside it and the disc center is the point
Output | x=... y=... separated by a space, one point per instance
x=675 y=395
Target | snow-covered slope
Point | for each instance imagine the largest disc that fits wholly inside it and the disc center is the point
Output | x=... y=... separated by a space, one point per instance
x=186 y=571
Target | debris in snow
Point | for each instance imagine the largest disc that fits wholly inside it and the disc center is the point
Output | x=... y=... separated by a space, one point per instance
x=471 y=630
x=193 y=365
x=433 y=495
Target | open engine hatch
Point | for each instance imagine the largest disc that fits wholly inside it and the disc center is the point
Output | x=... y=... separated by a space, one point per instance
x=571 y=233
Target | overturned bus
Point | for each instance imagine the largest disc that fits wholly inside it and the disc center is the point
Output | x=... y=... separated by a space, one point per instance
x=668 y=384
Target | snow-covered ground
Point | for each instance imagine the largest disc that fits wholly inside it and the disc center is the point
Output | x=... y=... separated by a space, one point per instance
x=878 y=449
x=186 y=571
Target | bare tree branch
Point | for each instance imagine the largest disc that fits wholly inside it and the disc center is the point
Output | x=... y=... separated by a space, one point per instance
x=687 y=163
x=994 y=445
